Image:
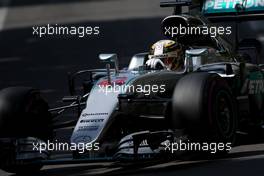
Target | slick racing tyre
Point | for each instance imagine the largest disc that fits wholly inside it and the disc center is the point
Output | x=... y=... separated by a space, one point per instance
x=203 y=105
x=24 y=117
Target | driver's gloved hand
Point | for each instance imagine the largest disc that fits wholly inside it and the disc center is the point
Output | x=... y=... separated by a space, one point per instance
x=155 y=64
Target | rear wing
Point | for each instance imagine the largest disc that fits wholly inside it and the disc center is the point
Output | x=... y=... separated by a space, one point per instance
x=233 y=6
x=177 y=4
x=221 y=10
x=233 y=10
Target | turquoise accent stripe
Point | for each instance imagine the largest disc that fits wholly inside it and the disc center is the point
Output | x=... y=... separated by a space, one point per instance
x=228 y=6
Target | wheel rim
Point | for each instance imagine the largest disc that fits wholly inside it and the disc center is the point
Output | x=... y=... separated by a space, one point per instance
x=224 y=113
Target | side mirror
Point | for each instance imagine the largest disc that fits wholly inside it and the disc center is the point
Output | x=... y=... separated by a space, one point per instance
x=110 y=58
x=222 y=52
x=195 y=58
x=107 y=57
x=261 y=67
x=244 y=57
x=138 y=60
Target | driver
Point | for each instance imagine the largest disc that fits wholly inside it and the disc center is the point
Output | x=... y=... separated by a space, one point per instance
x=166 y=54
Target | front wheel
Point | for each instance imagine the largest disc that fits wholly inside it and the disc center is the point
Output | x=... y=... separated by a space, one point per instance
x=24 y=120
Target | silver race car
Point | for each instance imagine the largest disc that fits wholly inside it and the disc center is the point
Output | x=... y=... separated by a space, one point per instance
x=139 y=113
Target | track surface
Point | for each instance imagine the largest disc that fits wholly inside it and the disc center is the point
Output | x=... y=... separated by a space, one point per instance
x=244 y=160
x=127 y=27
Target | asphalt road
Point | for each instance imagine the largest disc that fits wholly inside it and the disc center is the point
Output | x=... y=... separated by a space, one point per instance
x=244 y=160
x=126 y=27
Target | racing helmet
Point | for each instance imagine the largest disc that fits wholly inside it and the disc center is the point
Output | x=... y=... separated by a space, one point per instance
x=169 y=52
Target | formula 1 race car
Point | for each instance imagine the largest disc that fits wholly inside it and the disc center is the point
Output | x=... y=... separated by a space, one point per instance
x=138 y=113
